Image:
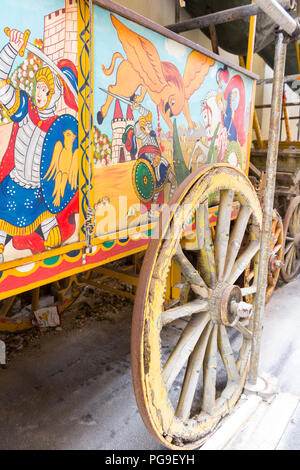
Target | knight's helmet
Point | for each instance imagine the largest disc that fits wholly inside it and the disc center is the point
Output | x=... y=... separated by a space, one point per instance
x=145 y=119
x=57 y=86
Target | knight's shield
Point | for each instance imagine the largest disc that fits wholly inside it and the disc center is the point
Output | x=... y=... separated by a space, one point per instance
x=143 y=180
x=56 y=134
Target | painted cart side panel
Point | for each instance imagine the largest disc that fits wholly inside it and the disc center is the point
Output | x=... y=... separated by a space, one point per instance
x=38 y=129
x=196 y=109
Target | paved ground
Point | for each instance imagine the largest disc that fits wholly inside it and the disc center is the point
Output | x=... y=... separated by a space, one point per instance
x=280 y=352
x=72 y=388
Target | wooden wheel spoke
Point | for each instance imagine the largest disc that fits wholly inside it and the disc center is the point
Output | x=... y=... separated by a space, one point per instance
x=297 y=221
x=288 y=247
x=271 y=283
x=297 y=264
x=236 y=238
x=250 y=276
x=191 y=274
x=298 y=214
x=222 y=229
x=192 y=373
x=200 y=225
x=289 y=258
x=277 y=248
x=291 y=224
x=243 y=330
x=206 y=253
x=274 y=239
x=277 y=233
x=181 y=311
x=184 y=348
x=274 y=225
x=210 y=373
x=227 y=355
x=243 y=261
x=248 y=290
x=294 y=224
x=293 y=258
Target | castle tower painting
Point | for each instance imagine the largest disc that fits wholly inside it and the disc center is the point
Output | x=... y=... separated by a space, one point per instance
x=119 y=124
x=60 y=39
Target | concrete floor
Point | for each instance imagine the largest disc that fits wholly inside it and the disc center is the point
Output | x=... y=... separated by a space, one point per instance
x=74 y=391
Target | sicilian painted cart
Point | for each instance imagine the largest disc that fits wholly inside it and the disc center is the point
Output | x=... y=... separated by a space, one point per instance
x=118 y=137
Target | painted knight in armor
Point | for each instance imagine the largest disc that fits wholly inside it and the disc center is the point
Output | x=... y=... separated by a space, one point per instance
x=150 y=150
x=23 y=208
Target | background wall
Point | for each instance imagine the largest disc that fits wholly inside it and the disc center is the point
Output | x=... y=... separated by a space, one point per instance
x=163 y=12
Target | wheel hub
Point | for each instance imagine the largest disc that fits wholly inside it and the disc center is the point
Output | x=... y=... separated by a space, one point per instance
x=274 y=263
x=227 y=306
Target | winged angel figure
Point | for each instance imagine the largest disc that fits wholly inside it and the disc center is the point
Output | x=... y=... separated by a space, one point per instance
x=161 y=80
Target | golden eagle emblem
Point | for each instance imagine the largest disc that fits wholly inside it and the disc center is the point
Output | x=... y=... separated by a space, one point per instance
x=64 y=166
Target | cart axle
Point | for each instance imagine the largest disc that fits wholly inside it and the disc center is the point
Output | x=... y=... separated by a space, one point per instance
x=227 y=305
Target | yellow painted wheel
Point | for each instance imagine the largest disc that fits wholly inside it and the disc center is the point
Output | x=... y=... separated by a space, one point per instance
x=189 y=363
x=291 y=228
x=67 y=290
x=275 y=260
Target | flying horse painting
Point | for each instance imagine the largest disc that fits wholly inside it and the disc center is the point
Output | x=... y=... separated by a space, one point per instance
x=162 y=80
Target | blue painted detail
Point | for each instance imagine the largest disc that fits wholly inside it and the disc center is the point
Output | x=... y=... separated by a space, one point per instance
x=70 y=75
x=73 y=253
x=123 y=240
x=23 y=108
x=55 y=134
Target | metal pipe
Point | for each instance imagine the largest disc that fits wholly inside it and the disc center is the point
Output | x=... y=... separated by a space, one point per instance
x=219 y=17
x=291 y=117
x=287 y=78
x=279 y=15
x=264 y=106
x=271 y=165
x=225 y=16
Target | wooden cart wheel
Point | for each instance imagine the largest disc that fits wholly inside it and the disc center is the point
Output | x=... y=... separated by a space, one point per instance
x=275 y=260
x=291 y=231
x=186 y=380
x=67 y=290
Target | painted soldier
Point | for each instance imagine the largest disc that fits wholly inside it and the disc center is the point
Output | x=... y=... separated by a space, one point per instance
x=150 y=151
x=38 y=172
